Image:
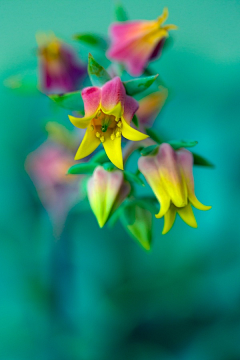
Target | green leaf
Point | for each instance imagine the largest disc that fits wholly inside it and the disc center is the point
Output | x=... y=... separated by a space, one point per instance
x=100 y=157
x=120 y=13
x=135 y=120
x=93 y=40
x=132 y=178
x=136 y=86
x=149 y=150
x=177 y=144
x=201 y=161
x=129 y=214
x=154 y=136
x=98 y=75
x=82 y=168
x=71 y=101
x=138 y=223
x=109 y=166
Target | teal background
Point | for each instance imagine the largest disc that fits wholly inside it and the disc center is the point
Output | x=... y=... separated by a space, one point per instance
x=95 y=294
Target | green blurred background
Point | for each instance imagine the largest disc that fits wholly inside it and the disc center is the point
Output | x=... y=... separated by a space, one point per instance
x=96 y=294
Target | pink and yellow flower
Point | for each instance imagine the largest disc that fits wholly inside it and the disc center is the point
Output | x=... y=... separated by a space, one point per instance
x=106 y=191
x=169 y=173
x=60 y=70
x=108 y=113
x=47 y=167
x=135 y=43
x=150 y=106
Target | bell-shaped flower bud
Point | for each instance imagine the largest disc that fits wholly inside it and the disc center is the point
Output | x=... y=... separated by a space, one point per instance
x=106 y=191
x=169 y=173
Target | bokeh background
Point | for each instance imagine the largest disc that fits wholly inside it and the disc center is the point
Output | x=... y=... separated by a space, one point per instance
x=96 y=294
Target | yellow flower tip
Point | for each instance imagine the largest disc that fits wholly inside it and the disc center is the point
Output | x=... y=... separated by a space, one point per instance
x=101 y=223
x=146 y=246
x=77 y=157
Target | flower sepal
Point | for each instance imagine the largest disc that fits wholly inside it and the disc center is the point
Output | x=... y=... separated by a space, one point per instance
x=98 y=75
x=137 y=221
x=149 y=150
x=94 y=40
x=82 y=168
x=72 y=101
x=120 y=13
x=136 y=86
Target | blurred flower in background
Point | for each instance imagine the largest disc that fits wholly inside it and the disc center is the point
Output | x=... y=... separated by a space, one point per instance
x=135 y=43
x=60 y=69
x=150 y=106
x=47 y=166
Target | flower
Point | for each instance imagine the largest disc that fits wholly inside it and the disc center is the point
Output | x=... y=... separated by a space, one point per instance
x=150 y=106
x=169 y=173
x=60 y=70
x=106 y=191
x=47 y=167
x=108 y=113
x=135 y=43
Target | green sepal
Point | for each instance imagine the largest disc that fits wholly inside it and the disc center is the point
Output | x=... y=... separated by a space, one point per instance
x=100 y=157
x=149 y=150
x=135 y=120
x=138 y=223
x=71 y=101
x=201 y=161
x=148 y=203
x=108 y=166
x=98 y=75
x=82 y=168
x=120 y=13
x=93 y=40
x=136 y=86
x=132 y=178
x=154 y=136
x=177 y=144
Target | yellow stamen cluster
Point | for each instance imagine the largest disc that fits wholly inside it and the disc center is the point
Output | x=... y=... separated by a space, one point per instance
x=104 y=123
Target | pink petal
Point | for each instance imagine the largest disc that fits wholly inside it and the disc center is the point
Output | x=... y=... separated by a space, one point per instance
x=130 y=107
x=113 y=92
x=126 y=30
x=91 y=98
x=133 y=53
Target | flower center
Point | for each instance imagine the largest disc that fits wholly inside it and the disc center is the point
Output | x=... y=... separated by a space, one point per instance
x=106 y=125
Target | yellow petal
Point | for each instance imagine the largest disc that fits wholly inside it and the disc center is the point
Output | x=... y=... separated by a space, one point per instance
x=113 y=150
x=187 y=215
x=164 y=200
x=115 y=111
x=196 y=203
x=161 y=19
x=170 y=27
x=89 y=143
x=130 y=133
x=169 y=219
x=81 y=123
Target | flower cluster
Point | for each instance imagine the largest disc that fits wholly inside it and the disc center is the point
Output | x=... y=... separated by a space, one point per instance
x=116 y=117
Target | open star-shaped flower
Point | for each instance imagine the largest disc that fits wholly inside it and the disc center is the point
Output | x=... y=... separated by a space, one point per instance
x=108 y=113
